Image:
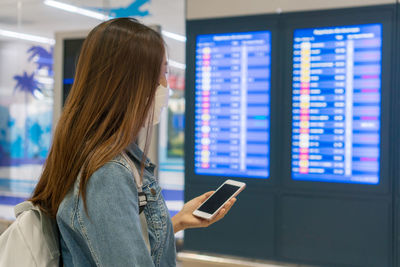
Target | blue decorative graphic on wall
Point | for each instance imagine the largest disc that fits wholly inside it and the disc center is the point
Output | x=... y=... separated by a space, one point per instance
x=132 y=10
x=5 y=124
x=26 y=83
x=43 y=58
x=25 y=128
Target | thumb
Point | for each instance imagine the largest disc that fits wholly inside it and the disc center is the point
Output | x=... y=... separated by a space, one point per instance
x=203 y=197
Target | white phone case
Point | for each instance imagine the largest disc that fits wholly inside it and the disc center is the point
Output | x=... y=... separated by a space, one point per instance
x=209 y=216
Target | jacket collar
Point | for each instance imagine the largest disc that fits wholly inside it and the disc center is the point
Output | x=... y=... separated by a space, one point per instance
x=135 y=152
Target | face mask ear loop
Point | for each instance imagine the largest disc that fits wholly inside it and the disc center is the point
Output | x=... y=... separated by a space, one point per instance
x=160 y=102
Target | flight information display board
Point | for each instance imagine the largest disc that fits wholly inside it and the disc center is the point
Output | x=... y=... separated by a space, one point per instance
x=336 y=106
x=232 y=104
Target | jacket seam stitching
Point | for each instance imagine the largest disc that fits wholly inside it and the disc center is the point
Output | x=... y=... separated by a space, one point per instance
x=122 y=164
x=88 y=240
x=74 y=211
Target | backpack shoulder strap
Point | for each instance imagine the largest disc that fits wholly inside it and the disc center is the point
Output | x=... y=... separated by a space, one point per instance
x=142 y=200
x=48 y=226
x=138 y=181
x=24 y=206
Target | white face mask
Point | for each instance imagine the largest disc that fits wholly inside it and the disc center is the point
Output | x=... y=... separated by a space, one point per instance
x=160 y=102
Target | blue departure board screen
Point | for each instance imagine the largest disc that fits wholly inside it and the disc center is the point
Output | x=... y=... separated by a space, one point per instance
x=232 y=104
x=336 y=104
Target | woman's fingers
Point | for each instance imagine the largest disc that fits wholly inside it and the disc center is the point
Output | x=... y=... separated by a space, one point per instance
x=224 y=210
x=206 y=195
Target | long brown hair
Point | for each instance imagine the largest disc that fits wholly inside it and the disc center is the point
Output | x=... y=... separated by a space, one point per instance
x=115 y=82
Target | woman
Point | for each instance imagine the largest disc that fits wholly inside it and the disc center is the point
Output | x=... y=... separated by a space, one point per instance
x=87 y=183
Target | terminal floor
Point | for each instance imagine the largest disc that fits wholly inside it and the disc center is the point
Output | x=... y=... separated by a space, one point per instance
x=191 y=259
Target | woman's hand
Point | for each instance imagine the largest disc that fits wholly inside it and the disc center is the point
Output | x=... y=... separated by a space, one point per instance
x=185 y=218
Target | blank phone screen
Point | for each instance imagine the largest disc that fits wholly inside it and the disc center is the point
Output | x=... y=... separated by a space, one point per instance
x=219 y=198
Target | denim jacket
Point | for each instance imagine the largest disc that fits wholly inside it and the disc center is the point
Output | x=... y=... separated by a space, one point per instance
x=111 y=235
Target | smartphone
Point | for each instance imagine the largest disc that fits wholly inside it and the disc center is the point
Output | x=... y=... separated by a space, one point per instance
x=210 y=208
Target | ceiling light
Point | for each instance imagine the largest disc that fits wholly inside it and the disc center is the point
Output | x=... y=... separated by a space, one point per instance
x=28 y=37
x=100 y=16
x=174 y=36
x=76 y=10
